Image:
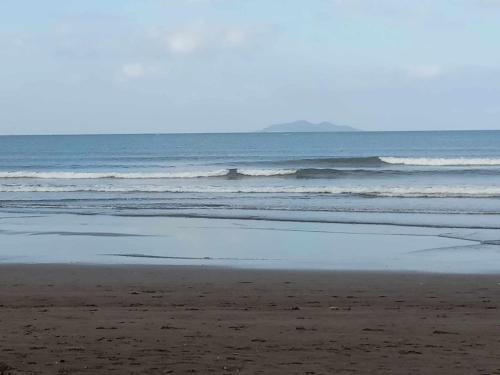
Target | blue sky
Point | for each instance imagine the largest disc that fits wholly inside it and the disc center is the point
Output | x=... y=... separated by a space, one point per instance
x=128 y=66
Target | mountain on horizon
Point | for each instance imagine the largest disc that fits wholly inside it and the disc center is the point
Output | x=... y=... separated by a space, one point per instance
x=306 y=126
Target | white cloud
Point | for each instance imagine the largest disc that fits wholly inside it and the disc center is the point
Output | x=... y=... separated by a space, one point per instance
x=424 y=71
x=189 y=41
x=235 y=37
x=134 y=71
x=184 y=42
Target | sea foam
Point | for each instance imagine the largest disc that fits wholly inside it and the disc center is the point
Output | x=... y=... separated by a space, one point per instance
x=147 y=175
x=381 y=191
x=441 y=161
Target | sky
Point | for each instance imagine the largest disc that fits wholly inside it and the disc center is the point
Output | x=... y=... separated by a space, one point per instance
x=161 y=66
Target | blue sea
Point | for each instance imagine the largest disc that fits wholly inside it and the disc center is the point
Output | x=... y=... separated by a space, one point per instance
x=438 y=180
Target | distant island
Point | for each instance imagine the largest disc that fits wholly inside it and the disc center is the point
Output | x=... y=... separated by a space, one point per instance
x=306 y=126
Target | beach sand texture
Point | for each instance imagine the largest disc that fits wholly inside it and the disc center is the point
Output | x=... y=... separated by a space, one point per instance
x=182 y=320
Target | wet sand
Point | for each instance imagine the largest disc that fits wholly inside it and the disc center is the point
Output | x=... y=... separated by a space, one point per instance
x=181 y=320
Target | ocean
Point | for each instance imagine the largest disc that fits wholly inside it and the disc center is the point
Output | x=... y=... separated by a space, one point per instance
x=444 y=185
x=417 y=178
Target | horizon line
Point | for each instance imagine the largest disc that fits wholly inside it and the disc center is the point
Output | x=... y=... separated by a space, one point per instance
x=248 y=132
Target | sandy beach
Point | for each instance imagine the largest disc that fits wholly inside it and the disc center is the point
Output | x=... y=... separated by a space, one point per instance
x=65 y=319
x=249 y=187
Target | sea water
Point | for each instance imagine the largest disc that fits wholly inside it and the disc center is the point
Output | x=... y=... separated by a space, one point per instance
x=444 y=185
x=418 y=178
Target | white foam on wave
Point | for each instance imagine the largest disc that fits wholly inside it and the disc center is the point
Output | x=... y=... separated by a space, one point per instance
x=145 y=175
x=118 y=175
x=442 y=161
x=382 y=191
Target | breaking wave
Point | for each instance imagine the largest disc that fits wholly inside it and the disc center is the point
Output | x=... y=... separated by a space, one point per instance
x=384 y=161
x=436 y=162
x=117 y=175
x=148 y=175
x=382 y=191
x=370 y=161
x=301 y=173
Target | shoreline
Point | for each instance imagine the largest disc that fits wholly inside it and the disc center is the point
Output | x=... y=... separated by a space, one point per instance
x=233 y=268
x=146 y=319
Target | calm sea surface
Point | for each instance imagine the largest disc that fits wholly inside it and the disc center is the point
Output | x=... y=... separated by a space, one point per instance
x=415 y=178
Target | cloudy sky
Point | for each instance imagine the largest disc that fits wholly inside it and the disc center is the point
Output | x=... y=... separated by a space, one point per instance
x=129 y=66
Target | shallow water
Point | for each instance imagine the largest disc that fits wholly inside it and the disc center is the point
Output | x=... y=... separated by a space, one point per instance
x=104 y=239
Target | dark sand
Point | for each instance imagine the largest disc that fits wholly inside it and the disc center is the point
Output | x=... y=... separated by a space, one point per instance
x=182 y=320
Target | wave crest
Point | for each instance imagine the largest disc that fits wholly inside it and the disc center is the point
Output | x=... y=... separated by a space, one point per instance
x=148 y=175
x=436 y=162
x=117 y=175
x=382 y=191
